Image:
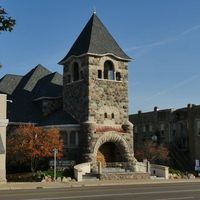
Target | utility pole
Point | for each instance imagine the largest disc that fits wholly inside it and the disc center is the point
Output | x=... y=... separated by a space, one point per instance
x=55 y=151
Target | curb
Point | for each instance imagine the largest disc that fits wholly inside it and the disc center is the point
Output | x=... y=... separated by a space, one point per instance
x=39 y=186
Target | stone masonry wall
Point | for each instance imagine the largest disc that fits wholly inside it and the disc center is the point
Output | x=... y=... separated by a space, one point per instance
x=89 y=98
x=75 y=93
x=108 y=96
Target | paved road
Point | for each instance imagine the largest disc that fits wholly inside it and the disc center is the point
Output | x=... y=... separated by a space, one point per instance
x=178 y=191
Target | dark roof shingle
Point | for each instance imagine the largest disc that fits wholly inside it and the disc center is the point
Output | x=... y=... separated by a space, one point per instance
x=95 y=39
x=9 y=83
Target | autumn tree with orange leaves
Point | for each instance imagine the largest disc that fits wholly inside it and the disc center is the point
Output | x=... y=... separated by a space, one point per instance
x=31 y=144
x=152 y=152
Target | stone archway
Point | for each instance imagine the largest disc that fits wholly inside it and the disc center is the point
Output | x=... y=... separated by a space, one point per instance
x=105 y=145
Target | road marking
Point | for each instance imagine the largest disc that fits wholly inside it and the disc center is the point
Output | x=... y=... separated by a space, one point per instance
x=120 y=194
x=177 y=198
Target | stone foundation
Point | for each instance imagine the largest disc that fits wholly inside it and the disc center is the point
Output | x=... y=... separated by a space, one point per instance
x=124 y=176
x=2 y=175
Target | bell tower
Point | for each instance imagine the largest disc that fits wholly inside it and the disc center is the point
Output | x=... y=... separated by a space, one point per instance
x=95 y=92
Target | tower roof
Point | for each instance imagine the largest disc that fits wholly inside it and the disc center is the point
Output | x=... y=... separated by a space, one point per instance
x=96 y=40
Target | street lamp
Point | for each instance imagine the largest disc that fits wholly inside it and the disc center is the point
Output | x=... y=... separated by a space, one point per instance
x=55 y=151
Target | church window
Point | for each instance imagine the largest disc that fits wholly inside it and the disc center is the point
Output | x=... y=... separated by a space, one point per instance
x=113 y=116
x=75 y=72
x=118 y=76
x=108 y=70
x=99 y=74
x=105 y=115
x=73 y=139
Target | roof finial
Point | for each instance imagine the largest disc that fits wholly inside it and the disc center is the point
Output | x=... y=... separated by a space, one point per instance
x=94 y=10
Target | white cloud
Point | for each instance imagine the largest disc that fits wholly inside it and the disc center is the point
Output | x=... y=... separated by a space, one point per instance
x=176 y=86
x=165 y=41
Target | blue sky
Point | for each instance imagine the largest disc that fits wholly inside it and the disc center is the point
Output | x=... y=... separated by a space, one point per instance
x=163 y=37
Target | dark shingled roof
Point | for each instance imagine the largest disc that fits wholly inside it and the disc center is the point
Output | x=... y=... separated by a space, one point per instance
x=23 y=90
x=95 y=39
x=38 y=83
x=34 y=76
x=58 y=118
x=8 y=83
x=23 y=108
x=49 y=86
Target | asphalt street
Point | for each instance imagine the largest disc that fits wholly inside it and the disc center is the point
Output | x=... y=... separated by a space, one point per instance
x=175 y=191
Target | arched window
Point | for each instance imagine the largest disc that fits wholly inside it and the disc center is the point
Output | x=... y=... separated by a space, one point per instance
x=108 y=70
x=99 y=74
x=75 y=72
x=118 y=76
x=105 y=115
x=113 y=116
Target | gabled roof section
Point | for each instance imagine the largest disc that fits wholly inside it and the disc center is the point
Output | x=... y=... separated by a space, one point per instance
x=34 y=76
x=49 y=86
x=58 y=118
x=9 y=83
x=37 y=82
x=95 y=39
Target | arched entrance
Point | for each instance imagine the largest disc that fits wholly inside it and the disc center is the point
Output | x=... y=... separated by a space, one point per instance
x=109 y=153
x=111 y=149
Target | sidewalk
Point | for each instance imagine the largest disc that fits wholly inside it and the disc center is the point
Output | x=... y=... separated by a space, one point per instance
x=39 y=185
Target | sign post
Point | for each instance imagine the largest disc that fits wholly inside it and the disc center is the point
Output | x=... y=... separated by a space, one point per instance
x=55 y=151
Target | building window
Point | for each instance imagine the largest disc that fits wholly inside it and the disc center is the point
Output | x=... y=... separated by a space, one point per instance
x=144 y=129
x=75 y=71
x=147 y=128
x=162 y=127
x=113 y=116
x=99 y=74
x=118 y=76
x=150 y=128
x=174 y=133
x=108 y=70
x=135 y=129
x=105 y=115
x=198 y=127
x=73 y=139
x=68 y=78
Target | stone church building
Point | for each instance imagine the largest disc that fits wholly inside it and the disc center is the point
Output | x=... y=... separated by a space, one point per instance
x=89 y=103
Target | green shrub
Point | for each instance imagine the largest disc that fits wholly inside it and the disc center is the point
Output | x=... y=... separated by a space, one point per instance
x=175 y=171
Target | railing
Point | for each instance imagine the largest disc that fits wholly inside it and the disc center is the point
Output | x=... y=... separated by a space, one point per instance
x=116 y=167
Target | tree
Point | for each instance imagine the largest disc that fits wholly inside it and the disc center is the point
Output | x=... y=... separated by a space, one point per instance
x=6 y=23
x=32 y=144
x=152 y=152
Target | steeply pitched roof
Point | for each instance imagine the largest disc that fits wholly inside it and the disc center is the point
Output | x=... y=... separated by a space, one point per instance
x=49 y=86
x=58 y=118
x=95 y=39
x=22 y=90
x=34 y=76
x=9 y=83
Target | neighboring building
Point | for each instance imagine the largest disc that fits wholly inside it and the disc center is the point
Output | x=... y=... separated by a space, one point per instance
x=3 y=125
x=89 y=104
x=179 y=129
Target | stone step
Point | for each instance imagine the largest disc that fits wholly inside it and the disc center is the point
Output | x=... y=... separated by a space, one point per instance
x=114 y=170
x=90 y=177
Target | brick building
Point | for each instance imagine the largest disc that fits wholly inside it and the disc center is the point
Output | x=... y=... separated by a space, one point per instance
x=179 y=129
